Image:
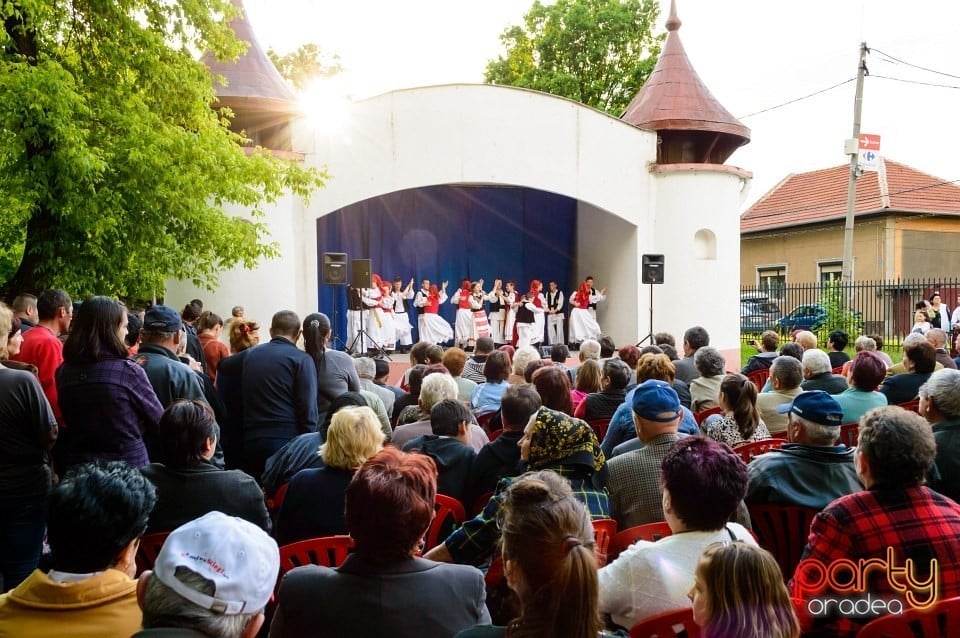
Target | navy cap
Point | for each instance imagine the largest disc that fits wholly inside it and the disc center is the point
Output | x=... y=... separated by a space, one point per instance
x=816 y=406
x=655 y=400
x=162 y=319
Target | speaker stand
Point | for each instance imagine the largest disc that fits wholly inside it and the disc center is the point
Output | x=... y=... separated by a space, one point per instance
x=363 y=333
x=649 y=336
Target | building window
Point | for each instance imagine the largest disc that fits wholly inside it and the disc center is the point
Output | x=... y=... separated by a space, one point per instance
x=772 y=280
x=830 y=271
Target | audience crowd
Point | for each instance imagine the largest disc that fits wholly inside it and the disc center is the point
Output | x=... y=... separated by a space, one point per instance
x=155 y=468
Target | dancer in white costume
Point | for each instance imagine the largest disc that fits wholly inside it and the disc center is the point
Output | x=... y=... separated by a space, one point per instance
x=401 y=314
x=463 y=326
x=527 y=313
x=582 y=324
x=498 y=312
x=554 y=314
x=433 y=327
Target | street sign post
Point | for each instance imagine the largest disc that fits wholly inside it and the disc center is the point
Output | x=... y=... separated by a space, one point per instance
x=868 y=157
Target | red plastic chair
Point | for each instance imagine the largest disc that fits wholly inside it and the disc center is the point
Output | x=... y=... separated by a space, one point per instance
x=447 y=508
x=913 y=406
x=942 y=621
x=274 y=502
x=328 y=551
x=493 y=435
x=837 y=370
x=759 y=377
x=779 y=435
x=850 y=434
x=783 y=531
x=755 y=448
x=148 y=549
x=649 y=532
x=700 y=416
x=604 y=529
x=480 y=503
x=599 y=427
x=669 y=625
x=483 y=420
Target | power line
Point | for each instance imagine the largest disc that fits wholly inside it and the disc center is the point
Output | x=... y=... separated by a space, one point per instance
x=942 y=86
x=916 y=66
x=829 y=88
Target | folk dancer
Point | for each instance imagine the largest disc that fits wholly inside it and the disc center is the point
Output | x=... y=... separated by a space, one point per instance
x=433 y=327
x=498 y=313
x=373 y=299
x=511 y=303
x=463 y=326
x=481 y=327
x=529 y=330
x=387 y=337
x=356 y=317
x=420 y=302
x=600 y=296
x=582 y=324
x=401 y=314
x=555 y=314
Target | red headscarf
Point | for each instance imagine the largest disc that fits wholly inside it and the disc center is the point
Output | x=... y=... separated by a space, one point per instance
x=465 y=291
x=583 y=296
x=377 y=282
x=535 y=286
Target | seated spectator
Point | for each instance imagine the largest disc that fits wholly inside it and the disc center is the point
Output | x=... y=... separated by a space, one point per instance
x=769 y=341
x=209 y=329
x=416 y=412
x=486 y=396
x=805 y=339
x=861 y=344
x=222 y=596
x=454 y=359
x=553 y=386
x=895 y=512
x=867 y=371
x=693 y=339
x=818 y=373
x=836 y=342
x=28 y=431
x=621 y=433
x=382 y=376
x=661 y=338
x=940 y=406
x=703 y=484
x=382 y=589
x=786 y=375
x=551 y=440
x=919 y=360
x=921 y=322
x=301 y=453
x=448 y=446
x=559 y=353
x=602 y=405
x=589 y=349
x=435 y=388
x=522 y=357
x=313 y=505
x=607 y=347
x=532 y=367
x=188 y=485
x=705 y=387
x=367 y=371
x=733 y=577
x=557 y=588
x=501 y=457
x=629 y=354
x=812 y=470
x=878 y=340
x=588 y=379
x=473 y=368
x=938 y=339
x=414 y=381
x=95 y=519
x=741 y=421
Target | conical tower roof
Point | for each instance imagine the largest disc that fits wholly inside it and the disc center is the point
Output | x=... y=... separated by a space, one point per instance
x=675 y=99
x=252 y=80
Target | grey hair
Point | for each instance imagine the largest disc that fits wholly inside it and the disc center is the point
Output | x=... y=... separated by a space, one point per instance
x=709 y=361
x=590 y=349
x=818 y=433
x=163 y=607
x=436 y=388
x=522 y=357
x=788 y=371
x=943 y=387
x=864 y=342
x=913 y=339
x=816 y=361
x=936 y=337
x=366 y=368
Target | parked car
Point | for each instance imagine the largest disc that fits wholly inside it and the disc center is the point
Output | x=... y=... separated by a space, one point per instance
x=813 y=317
x=758 y=314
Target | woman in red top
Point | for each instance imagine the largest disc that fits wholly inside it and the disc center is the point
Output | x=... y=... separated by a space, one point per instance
x=463 y=326
x=209 y=329
x=435 y=328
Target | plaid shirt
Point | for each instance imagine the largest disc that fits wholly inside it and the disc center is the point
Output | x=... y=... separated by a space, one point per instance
x=917 y=523
x=475 y=541
x=634 y=483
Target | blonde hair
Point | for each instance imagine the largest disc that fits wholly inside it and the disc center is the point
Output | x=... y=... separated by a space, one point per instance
x=353 y=437
x=522 y=357
x=745 y=593
x=6 y=322
x=243 y=334
x=655 y=366
x=589 y=376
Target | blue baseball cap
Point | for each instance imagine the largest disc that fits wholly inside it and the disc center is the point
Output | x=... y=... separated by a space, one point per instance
x=655 y=400
x=816 y=406
x=161 y=318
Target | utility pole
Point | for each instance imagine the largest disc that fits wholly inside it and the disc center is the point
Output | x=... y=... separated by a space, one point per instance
x=853 y=150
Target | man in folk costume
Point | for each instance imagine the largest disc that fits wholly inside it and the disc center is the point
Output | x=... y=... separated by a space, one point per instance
x=554 y=314
x=529 y=325
x=401 y=314
x=597 y=296
x=498 y=313
x=433 y=327
x=582 y=324
x=463 y=327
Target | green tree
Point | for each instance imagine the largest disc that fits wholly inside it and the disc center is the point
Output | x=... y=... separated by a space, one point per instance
x=113 y=167
x=598 y=52
x=307 y=63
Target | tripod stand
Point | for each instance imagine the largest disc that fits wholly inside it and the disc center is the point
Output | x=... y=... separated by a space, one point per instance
x=649 y=336
x=363 y=334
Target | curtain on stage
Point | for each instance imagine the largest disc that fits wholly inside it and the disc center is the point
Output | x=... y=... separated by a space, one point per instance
x=450 y=233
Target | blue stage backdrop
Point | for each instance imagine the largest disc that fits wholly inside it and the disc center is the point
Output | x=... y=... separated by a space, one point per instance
x=452 y=233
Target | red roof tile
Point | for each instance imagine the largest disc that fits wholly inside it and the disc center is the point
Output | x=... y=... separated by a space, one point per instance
x=821 y=196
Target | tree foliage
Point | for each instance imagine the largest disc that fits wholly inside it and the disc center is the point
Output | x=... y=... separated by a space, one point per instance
x=307 y=63
x=113 y=166
x=598 y=52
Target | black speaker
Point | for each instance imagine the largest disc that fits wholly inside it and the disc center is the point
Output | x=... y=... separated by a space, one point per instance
x=334 y=269
x=360 y=273
x=651 y=271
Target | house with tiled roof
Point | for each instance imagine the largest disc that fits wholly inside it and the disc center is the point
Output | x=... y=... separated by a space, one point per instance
x=906 y=226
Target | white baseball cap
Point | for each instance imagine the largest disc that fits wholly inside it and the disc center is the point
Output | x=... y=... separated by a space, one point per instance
x=239 y=558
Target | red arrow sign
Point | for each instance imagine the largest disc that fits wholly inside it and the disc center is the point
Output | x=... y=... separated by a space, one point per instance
x=869 y=142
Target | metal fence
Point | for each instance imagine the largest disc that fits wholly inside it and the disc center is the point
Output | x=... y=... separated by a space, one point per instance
x=884 y=308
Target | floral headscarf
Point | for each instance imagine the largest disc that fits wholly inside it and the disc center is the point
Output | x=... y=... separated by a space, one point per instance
x=561 y=438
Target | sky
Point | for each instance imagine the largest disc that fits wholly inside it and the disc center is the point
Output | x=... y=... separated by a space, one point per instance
x=751 y=54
